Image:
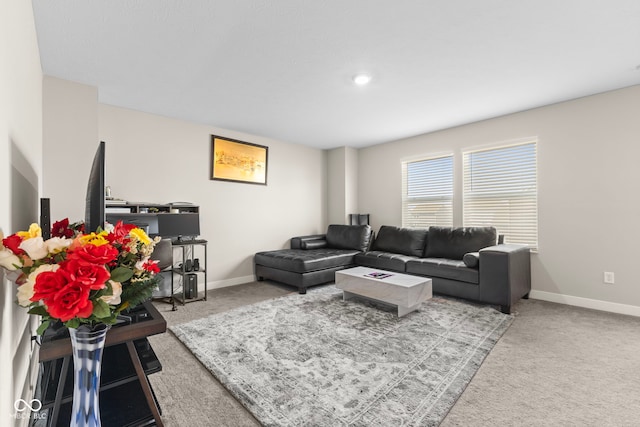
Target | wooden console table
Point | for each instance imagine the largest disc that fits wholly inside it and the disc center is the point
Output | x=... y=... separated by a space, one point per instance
x=124 y=346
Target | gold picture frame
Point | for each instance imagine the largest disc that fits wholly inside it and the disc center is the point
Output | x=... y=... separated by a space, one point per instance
x=238 y=161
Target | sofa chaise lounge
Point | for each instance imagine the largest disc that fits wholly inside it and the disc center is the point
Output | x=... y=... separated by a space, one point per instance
x=314 y=259
x=463 y=262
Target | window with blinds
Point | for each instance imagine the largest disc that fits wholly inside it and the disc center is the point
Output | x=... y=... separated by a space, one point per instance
x=500 y=190
x=427 y=192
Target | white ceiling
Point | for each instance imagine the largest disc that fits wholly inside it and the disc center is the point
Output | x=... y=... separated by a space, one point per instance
x=283 y=68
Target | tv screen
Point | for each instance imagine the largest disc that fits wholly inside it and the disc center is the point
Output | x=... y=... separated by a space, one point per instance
x=148 y=222
x=95 y=202
x=179 y=225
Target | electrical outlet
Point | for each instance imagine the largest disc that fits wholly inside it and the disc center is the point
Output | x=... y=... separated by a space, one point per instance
x=609 y=278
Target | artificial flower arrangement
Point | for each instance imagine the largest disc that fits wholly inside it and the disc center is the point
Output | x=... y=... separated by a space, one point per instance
x=77 y=277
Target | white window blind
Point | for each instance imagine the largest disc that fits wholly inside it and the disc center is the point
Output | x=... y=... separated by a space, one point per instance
x=427 y=192
x=500 y=190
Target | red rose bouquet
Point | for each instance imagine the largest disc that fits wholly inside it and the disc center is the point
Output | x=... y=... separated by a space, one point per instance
x=80 y=278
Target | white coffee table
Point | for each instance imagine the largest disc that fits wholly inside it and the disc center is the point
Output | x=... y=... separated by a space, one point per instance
x=405 y=291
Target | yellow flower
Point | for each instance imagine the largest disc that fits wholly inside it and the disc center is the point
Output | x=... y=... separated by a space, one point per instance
x=140 y=235
x=34 y=231
x=95 y=239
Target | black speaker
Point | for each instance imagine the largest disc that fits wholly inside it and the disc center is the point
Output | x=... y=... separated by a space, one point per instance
x=188 y=265
x=45 y=218
x=191 y=285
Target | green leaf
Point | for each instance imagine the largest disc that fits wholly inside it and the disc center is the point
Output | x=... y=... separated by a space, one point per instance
x=43 y=327
x=38 y=310
x=121 y=274
x=101 y=309
x=134 y=295
x=73 y=323
x=110 y=320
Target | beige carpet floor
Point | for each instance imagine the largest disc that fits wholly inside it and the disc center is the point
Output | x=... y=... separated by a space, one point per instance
x=557 y=365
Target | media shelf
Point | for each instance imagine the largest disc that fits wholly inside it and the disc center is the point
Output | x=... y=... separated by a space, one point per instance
x=167 y=221
x=122 y=206
x=126 y=396
x=191 y=271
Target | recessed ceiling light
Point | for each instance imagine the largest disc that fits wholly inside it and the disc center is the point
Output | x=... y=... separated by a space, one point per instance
x=361 y=79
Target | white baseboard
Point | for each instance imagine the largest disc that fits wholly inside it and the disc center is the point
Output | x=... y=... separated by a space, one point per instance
x=230 y=282
x=631 y=310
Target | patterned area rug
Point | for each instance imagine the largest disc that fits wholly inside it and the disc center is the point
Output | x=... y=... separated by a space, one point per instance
x=314 y=360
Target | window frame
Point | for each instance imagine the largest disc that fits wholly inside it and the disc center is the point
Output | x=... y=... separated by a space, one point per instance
x=435 y=200
x=523 y=199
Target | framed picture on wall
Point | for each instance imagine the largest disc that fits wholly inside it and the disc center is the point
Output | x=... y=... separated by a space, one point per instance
x=238 y=161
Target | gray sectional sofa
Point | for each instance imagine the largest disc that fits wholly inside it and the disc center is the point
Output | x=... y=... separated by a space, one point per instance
x=464 y=262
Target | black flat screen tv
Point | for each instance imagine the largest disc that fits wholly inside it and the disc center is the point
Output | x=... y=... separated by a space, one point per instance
x=179 y=225
x=95 y=203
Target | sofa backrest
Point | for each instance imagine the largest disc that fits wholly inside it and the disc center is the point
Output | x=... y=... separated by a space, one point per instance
x=406 y=241
x=454 y=242
x=356 y=237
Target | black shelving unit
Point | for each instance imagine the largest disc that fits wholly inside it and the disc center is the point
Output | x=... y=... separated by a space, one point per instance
x=126 y=396
x=187 y=270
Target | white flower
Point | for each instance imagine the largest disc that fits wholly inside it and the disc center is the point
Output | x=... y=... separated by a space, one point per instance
x=57 y=244
x=25 y=291
x=9 y=260
x=114 y=299
x=35 y=248
x=108 y=227
x=139 y=267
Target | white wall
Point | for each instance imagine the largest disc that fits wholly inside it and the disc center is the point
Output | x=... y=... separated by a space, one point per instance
x=342 y=181
x=160 y=160
x=351 y=182
x=20 y=183
x=336 y=178
x=70 y=122
x=589 y=204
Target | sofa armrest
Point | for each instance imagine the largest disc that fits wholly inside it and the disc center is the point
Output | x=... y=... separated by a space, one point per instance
x=505 y=274
x=314 y=241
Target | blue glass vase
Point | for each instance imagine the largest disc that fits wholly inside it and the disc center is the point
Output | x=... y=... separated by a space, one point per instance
x=88 y=345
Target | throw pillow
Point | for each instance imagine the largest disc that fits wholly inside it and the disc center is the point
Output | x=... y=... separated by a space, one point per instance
x=314 y=244
x=471 y=259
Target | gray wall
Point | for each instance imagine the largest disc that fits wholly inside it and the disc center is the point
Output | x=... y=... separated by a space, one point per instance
x=589 y=204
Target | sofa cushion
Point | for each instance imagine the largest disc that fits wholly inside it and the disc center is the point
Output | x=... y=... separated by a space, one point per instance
x=443 y=268
x=355 y=237
x=454 y=242
x=406 y=241
x=303 y=261
x=383 y=260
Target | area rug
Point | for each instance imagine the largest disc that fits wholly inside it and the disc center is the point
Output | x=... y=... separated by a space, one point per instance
x=315 y=360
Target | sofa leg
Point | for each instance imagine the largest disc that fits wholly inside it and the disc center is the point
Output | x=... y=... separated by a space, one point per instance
x=302 y=291
x=506 y=309
x=260 y=279
x=526 y=296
